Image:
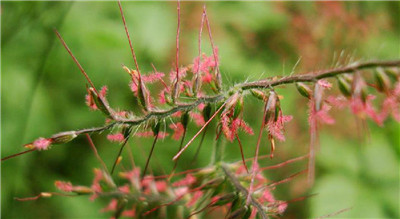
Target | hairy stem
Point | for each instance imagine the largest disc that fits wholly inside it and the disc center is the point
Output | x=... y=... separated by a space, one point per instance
x=261 y=84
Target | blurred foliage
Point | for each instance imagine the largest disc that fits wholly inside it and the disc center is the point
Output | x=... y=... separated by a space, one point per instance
x=42 y=92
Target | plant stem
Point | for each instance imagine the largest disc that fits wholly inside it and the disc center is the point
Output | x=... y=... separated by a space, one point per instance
x=218 y=151
x=231 y=177
x=261 y=84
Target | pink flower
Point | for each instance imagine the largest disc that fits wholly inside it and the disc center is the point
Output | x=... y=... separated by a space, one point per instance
x=323 y=116
x=204 y=64
x=134 y=86
x=129 y=213
x=162 y=96
x=90 y=102
x=64 y=186
x=124 y=189
x=112 y=206
x=187 y=181
x=391 y=104
x=276 y=128
x=324 y=83
x=198 y=118
x=132 y=175
x=201 y=106
x=339 y=102
x=147 y=134
x=363 y=109
x=96 y=183
x=161 y=186
x=182 y=73
x=245 y=127
x=178 y=130
x=103 y=92
x=267 y=197
x=207 y=77
x=119 y=137
x=42 y=143
x=282 y=207
x=181 y=191
x=153 y=77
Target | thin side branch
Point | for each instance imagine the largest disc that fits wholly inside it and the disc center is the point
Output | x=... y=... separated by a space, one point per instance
x=261 y=210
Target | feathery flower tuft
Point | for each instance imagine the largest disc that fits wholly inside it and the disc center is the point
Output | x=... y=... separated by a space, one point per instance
x=119 y=137
x=187 y=181
x=178 y=130
x=64 y=186
x=42 y=143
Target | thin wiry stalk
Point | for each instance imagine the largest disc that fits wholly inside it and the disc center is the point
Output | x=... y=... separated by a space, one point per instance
x=200 y=144
x=96 y=153
x=17 y=154
x=129 y=38
x=241 y=152
x=151 y=153
x=76 y=62
x=120 y=150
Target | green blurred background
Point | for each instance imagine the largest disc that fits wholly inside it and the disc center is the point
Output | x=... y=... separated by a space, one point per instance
x=42 y=92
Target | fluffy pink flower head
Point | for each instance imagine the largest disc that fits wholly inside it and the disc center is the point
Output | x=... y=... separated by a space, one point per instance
x=42 y=143
x=365 y=108
x=181 y=191
x=90 y=102
x=178 y=130
x=118 y=137
x=197 y=118
x=161 y=186
x=324 y=83
x=64 y=186
x=163 y=96
x=187 y=181
x=148 y=134
x=112 y=206
x=267 y=196
x=391 y=105
x=96 y=183
x=276 y=128
x=129 y=213
x=151 y=78
x=124 y=189
x=182 y=73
